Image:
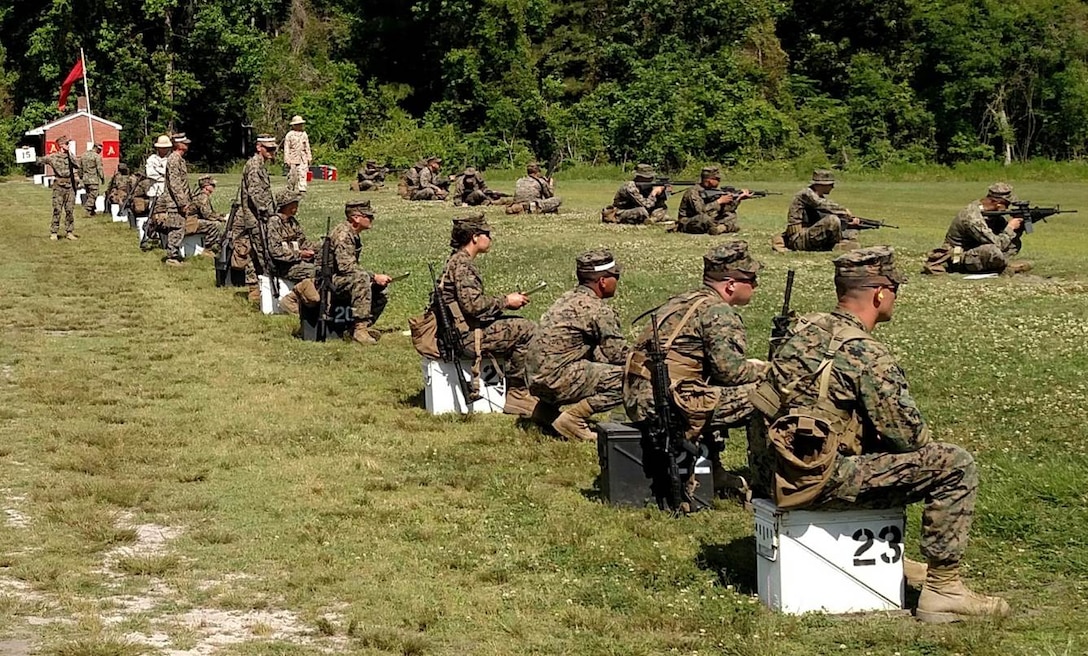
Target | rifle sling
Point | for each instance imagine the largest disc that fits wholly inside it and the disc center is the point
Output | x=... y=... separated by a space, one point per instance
x=461 y=325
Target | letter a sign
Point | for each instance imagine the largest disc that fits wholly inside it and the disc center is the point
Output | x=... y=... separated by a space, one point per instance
x=111 y=149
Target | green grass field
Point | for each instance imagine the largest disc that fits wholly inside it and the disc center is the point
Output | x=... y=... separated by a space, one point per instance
x=181 y=476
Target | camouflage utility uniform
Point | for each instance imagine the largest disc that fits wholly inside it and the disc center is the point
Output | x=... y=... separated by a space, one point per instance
x=371 y=177
x=429 y=187
x=288 y=240
x=470 y=189
x=120 y=187
x=633 y=206
x=172 y=205
x=64 y=188
x=349 y=280
x=697 y=216
x=257 y=206
x=578 y=352
x=536 y=196
x=971 y=244
x=90 y=169
x=813 y=221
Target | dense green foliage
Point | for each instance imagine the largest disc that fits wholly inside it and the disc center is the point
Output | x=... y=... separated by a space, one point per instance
x=856 y=83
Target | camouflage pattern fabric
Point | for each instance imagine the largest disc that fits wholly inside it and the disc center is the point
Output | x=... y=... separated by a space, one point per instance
x=502 y=336
x=170 y=207
x=713 y=339
x=470 y=191
x=257 y=205
x=120 y=188
x=287 y=239
x=297 y=156
x=698 y=217
x=530 y=189
x=897 y=463
x=984 y=250
x=367 y=299
x=202 y=208
x=90 y=170
x=812 y=222
x=64 y=194
x=427 y=189
x=578 y=352
x=633 y=207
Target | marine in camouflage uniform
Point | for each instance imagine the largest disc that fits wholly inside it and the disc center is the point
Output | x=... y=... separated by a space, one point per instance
x=705 y=342
x=578 y=353
x=534 y=193
x=716 y=217
x=292 y=252
x=366 y=292
x=972 y=245
x=256 y=205
x=120 y=187
x=485 y=331
x=430 y=185
x=64 y=187
x=90 y=169
x=638 y=201
x=846 y=432
x=409 y=182
x=371 y=177
x=171 y=207
x=814 y=222
x=202 y=219
x=141 y=190
x=470 y=189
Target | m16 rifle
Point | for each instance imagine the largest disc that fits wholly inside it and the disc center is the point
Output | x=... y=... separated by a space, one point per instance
x=450 y=346
x=269 y=264
x=863 y=223
x=712 y=195
x=646 y=188
x=1030 y=215
x=553 y=165
x=324 y=285
x=780 y=324
x=226 y=250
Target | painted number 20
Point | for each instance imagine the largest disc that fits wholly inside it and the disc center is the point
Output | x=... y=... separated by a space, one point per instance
x=890 y=534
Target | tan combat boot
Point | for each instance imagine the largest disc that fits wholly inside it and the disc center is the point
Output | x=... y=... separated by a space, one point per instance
x=73 y=237
x=515 y=208
x=361 y=334
x=289 y=303
x=915 y=573
x=572 y=424
x=520 y=402
x=778 y=244
x=54 y=237
x=608 y=215
x=723 y=228
x=946 y=599
x=1018 y=266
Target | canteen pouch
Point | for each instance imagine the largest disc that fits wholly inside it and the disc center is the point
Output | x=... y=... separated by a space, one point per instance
x=806 y=449
x=424 y=329
x=192 y=224
x=239 y=256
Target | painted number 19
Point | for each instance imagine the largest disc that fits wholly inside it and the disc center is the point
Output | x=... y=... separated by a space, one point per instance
x=890 y=534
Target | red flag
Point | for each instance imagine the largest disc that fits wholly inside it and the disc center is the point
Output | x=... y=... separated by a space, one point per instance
x=66 y=86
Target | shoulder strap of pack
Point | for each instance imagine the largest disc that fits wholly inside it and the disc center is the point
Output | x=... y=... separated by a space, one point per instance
x=839 y=338
x=684 y=321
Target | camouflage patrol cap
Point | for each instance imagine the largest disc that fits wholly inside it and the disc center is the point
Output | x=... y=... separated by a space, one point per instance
x=62 y=139
x=730 y=260
x=1000 y=190
x=370 y=162
x=285 y=198
x=470 y=172
x=207 y=180
x=122 y=168
x=597 y=261
x=433 y=158
x=645 y=172
x=823 y=177
x=477 y=223
x=868 y=267
x=710 y=172
x=358 y=206
x=98 y=146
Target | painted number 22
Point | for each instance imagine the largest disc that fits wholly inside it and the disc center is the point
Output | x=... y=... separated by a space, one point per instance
x=890 y=534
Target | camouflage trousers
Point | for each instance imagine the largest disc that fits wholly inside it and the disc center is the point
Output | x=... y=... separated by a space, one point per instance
x=424 y=194
x=944 y=477
x=542 y=206
x=987 y=258
x=598 y=383
x=820 y=236
x=243 y=247
x=692 y=402
x=295 y=272
x=212 y=231
x=64 y=200
x=90 y=194
x=367 y=299
x=507 y=338
x=703 y=224
x=475 y=198
x=640 y=215
x=364 y=185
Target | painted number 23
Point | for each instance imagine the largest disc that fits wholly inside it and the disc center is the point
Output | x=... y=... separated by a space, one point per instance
x=890 y=534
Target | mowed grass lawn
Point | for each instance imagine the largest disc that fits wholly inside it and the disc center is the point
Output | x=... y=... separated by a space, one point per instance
x=182 y=476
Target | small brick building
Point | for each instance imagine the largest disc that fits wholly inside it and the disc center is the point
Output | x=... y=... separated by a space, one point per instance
x=77 y=126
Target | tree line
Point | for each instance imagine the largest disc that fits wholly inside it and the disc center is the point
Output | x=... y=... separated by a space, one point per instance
x=850 y=83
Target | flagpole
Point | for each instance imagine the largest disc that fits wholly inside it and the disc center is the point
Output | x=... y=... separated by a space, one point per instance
x=87 y=93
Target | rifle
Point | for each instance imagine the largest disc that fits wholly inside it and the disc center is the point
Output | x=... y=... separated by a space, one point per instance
x=553 y=165
x=645 y=188
x=270 y=265
x=226 y=249
x=780 y=329
x=864 y=224
x=1030 y=215
x=450 y=346
x=324 y=285
x=662 y=432
x=712 y=195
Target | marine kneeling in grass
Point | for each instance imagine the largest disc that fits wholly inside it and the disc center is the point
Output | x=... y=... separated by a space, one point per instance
x=577 y=356
x=846 y=433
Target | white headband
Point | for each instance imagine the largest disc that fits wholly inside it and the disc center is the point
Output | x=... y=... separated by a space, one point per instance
x=604 y=267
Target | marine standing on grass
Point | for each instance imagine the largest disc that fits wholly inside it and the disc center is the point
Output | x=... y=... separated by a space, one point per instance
x=635 y=203
x=90 y=169
x=368 y=292
x=257 y=205
x=846 y=432
x=174 y=204
x=577 y=356
x=715 y=217
x=484 y=329
x=292 y=253
x=64 y=187
x=814 y=222
x=296 y=154
x=534 y=194
x=973 y=245
x=704 y=340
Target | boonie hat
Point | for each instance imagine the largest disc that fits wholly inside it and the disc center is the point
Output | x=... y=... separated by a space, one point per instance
x=297 y=120
x=645 y=172
x=285 y=198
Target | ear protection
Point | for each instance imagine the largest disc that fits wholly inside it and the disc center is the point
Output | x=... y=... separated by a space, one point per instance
x=880 y=295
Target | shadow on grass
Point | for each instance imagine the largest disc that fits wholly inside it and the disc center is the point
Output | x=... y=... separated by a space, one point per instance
x=734 y=563
x=417 y=400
